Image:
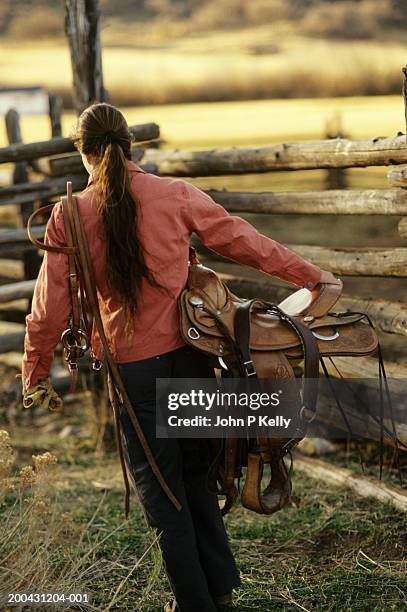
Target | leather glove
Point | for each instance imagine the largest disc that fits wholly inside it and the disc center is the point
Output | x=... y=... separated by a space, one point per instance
x=42 y=394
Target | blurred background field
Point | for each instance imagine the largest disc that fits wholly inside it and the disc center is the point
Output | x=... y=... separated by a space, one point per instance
x=227 y=72
x=166 y=51
x=211 y=73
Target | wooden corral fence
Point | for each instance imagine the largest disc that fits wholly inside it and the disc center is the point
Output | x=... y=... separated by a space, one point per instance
x=55 y=161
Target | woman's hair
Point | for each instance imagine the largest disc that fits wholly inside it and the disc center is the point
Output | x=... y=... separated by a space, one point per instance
x=102 y=131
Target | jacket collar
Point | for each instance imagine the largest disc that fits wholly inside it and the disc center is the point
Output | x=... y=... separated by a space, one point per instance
x=131 y=167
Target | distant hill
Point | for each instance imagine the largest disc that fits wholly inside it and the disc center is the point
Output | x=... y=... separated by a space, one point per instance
x=360 y=19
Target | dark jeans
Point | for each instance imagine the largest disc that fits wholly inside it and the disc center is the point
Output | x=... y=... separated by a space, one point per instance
x=193 y=540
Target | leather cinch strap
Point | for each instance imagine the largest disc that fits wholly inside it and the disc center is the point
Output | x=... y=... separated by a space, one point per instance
x=310 y=352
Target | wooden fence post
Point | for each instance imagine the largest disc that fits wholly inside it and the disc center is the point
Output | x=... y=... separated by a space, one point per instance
x=82 y=28
x=55 y=112
x=335 y=177
x=404 y=90
x=31 y=259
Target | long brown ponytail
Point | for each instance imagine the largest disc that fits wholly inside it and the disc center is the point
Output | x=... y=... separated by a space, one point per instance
x=102 y=132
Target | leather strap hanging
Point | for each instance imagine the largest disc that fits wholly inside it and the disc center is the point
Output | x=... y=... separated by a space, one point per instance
x=79 y=255
x=74 y=340
x=119 y=396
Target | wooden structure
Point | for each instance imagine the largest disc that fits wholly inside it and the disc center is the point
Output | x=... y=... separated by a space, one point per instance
x=55 y=159
x=390 y=317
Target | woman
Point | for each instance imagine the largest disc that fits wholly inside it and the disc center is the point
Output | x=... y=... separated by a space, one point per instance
x=138 y=227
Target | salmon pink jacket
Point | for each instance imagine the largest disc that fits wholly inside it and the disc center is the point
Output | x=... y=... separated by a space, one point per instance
x=170 y=210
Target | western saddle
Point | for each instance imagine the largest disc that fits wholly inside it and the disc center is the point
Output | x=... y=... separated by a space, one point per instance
x=256 y=338
x=244 y=338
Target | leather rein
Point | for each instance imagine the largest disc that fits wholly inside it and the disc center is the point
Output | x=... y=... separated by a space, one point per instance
x=76 y=341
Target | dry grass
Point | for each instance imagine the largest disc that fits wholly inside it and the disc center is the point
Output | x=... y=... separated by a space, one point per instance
x=251 y=123
x=252 y=63
x=327 y=551
x=45 y=549
x=348 y=19
x=345 y=19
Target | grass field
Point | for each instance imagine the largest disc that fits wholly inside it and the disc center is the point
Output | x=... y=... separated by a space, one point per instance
x=253 y=123
x=328 y=551
x=143 y=66
x=250 y=123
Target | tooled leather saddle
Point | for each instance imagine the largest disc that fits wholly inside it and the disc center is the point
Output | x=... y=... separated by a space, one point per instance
x=256 y=338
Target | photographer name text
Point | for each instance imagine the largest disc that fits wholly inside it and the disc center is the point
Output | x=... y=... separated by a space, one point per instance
x=229 y=421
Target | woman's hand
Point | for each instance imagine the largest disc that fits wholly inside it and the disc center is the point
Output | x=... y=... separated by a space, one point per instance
x=42 y=395
x=328 y=278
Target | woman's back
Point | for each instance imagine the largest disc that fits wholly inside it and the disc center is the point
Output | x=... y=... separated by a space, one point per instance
x=164 y=239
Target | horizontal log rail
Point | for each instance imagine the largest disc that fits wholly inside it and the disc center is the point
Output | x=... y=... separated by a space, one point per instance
x=41 y=190
x=397 y=177
x=330 y=202
x=348 y=262
x=402 y=227
x=56 y=146
x=20 y=235
x=357 y=262
x=12 y=341
x=72 y=164
x=360 y=484
x=16 y=291
x=365 y=367
x=311 y=155
x=360 y=424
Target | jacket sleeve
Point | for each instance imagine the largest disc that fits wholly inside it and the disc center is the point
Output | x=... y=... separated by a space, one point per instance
x=237 y=239
x=50 y=306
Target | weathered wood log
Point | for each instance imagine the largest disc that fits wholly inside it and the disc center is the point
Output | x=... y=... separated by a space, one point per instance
x=397 y=177
x=332 y=202
x=402 y=227
x=365 y=367
x=20 y=235
x=17 y=250
x=13 y=130
x=358 y=202
x=338 y=153
x=57 y=146
x=12 y=341
x=358 y=423
x=362 y=485
x=386 y=315
x=55 y=112
x=404 y=89
x=350 y=262
x=336 y=178
x=72 y=164
x=15 y=242
x=11 y=269
x=349 y=202
x=26 y=192
x=357 y=262
x=16 y=291
x=82 y=28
